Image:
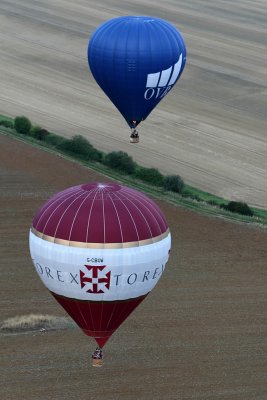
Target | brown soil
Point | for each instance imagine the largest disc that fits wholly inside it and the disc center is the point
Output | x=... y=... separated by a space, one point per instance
x=200 y=335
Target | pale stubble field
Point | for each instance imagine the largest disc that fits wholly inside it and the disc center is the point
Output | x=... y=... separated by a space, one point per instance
x=211 y=129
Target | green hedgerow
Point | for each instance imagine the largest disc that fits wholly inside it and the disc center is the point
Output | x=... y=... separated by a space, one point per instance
x=120 y=161
x=150 y=175
x=22 y=125
x=6 y=123
x=55 y=140
x=81 y=147
x=238 y=207
x=173 y=183
x=39 y=133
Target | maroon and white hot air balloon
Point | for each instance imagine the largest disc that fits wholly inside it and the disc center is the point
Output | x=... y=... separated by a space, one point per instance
x=99 y=248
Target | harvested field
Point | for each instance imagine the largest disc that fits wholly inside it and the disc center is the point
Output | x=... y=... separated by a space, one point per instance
x=211 y=129
x=201 y=334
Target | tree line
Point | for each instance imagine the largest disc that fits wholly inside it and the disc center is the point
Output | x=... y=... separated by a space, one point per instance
x=80 y=148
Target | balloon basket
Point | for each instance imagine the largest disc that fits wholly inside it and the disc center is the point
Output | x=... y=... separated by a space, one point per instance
x=97 y=363
x=134 y=140
x=97 y=357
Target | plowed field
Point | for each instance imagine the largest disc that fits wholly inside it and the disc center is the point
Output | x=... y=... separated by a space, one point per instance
x=201 y=334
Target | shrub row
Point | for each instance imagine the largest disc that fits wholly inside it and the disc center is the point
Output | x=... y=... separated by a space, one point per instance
x=120 y=161
x=77 y=146
x=81 y=148
x=22 y=125
x=124 y=163
x=238 y=207
x=6 y=123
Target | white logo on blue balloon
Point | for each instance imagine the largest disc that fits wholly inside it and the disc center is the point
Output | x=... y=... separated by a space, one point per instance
x=160 y=83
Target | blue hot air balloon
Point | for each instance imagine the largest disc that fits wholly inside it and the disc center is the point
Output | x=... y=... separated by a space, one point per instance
x=136 y=60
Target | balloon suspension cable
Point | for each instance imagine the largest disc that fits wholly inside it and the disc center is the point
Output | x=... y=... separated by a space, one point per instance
x=97 y=357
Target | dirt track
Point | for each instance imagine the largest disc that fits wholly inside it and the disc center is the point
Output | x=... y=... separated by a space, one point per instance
x=211 y=129
x=200 y=335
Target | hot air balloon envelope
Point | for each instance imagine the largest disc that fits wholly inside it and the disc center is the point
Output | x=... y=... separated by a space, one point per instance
x=136 y=60
x=99 y=249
